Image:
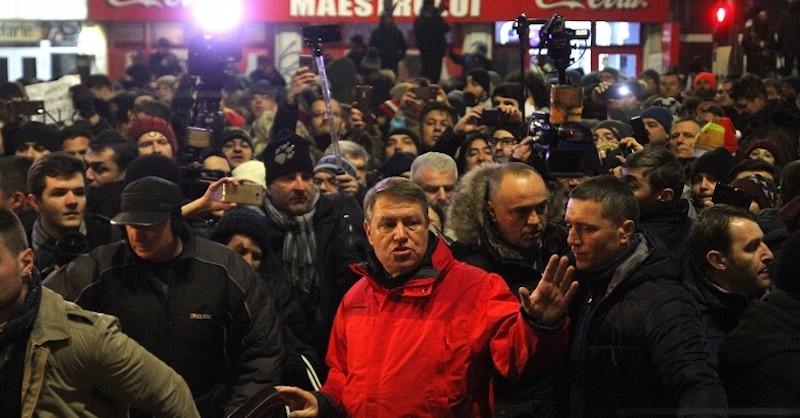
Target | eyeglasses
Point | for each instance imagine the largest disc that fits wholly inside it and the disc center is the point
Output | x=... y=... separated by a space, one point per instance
x=505 y=140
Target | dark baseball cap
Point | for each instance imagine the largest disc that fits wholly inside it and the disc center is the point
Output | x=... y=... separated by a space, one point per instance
x=148 y=201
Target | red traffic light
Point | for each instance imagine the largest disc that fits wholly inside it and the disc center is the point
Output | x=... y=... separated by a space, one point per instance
x=721 y=14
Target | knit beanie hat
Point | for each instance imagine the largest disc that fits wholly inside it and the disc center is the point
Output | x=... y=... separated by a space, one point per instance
x=404 y=131
x=398 y=164
x=44 y=135
x=661 y=114
x=717 y=133
x=770 y=145
x=145 y=124
x=252 y=171
x=718 y=163
x=619 y=129
x=236 y=133
x=763 y=190
x=710 y=78
x=389 y=107
x=328 y=163
x=287 y=154
x=481 y=77
x=243 y=221
x=153 y=165
x=264 y=88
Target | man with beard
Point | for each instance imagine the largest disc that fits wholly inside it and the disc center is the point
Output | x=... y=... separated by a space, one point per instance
x=312 y=236
x=730 y=267
x=319 y=127
x=656 y=178
x=499 y=222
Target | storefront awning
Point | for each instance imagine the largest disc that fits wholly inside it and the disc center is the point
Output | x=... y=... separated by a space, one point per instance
x=363 y=11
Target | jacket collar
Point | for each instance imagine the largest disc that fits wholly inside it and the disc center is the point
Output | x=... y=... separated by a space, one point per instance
x=188 y=252
x=420 y=283
x=51 y=322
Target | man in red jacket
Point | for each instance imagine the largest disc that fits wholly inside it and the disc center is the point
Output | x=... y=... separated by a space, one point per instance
x=420 y=333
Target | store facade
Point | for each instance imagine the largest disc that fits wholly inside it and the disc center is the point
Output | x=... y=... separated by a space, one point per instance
x=627 y=34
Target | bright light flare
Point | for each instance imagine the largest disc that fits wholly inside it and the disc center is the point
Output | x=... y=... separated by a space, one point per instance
x=217 y=16
x=721 y=15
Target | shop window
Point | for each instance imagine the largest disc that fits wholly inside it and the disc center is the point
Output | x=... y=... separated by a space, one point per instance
x=617 y=33
x=3 y=70
x=29 y=68
x=625 y=63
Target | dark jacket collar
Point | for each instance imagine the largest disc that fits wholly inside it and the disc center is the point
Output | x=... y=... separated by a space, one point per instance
x=673 y=211
x=436 y=262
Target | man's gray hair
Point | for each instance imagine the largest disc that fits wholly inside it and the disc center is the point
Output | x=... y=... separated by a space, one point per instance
x=435 y=161
x=398 y=188
x=350 y=148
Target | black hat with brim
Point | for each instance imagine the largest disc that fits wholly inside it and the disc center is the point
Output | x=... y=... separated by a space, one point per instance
x=148 y=201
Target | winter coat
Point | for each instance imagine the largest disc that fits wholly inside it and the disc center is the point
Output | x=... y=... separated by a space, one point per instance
x=391 y=45
x=79 y=363
x=761 y=357
x=216 y=324
x=719 y=310
x=428 y=347
x=340 y=240
x=669 y=222
x=479 y=245
x=637 y=346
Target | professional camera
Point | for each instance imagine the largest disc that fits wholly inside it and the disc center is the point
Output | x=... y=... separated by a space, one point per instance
x=557 y=141
x=15 y=109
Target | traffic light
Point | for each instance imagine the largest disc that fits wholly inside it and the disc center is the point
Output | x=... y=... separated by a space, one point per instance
x=722 y=17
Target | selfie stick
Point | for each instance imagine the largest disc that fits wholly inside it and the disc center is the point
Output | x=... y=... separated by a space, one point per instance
x=319 y=59
x=523 y=29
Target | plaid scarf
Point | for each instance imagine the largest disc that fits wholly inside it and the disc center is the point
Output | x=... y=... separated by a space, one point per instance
x=299 y=245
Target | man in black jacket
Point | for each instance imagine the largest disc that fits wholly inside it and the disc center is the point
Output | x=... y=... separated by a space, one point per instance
x=656 y=177
x=390 y=42
x=193 y=303
x=314 y=237
x=730 y=266
x=637 y=345
x=499 y=221
x=761 y=357
x=63 y=229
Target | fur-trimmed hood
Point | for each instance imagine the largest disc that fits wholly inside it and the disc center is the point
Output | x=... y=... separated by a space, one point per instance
x=466 y=216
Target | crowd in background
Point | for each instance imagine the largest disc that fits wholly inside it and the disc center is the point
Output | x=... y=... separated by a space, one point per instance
x=688 y=296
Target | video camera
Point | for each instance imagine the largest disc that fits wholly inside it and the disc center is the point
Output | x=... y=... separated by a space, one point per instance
x=14 y=110
x=556 y=145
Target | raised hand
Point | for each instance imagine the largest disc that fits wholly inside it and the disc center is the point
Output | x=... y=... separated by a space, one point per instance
x=549 y=302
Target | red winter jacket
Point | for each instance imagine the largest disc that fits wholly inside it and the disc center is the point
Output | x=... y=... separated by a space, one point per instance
x=427 y=348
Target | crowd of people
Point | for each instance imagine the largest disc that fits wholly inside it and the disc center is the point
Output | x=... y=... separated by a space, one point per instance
x=448 y=261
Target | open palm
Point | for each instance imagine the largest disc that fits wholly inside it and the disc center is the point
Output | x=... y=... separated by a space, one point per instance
x=549 y=302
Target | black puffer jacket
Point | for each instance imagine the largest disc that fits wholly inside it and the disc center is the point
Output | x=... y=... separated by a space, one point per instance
x=216 y=324
x=669 y=222
x=761 y=358
x=638 y=345
x=720 y=312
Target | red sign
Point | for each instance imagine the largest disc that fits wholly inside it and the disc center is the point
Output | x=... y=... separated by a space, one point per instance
x=359 y=11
